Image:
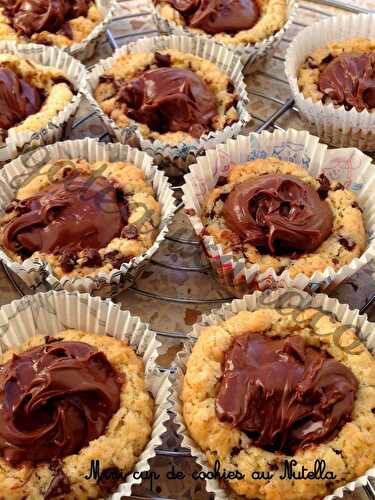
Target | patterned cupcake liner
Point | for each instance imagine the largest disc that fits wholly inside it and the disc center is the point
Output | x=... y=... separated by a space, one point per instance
x=277 y=299
x=52 y=312
x=349 y=166
x=176 y=158
x=251 y=55
x=86 y=49
x=17 y=143
x=36 y=272
x=333 y=124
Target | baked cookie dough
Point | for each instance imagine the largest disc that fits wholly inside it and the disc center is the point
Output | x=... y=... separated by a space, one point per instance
x=82 y=218
x=77 y=397
x=279 y=384
x=172 y=96
x=230 y=21
x=294 y=222
x=31 y=94
x=50 y=22
x=342 y=73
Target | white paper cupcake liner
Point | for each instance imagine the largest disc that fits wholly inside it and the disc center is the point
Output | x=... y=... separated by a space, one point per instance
x=16 y=143
x=349 y=166
x=176 y=158
x=52 y=312
x=251 y=54
x=86 y=49
x=278 y=298
x=333 y=124
x=35 y=272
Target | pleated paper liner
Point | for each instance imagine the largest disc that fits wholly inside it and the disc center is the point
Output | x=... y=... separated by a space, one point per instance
x=279 y=299
x=52 y=312
x=16 y=143
x=252 y=55
x=86 y=49
x=176 y=158
x=349 y=166
x=333 y=124
x=35 y=272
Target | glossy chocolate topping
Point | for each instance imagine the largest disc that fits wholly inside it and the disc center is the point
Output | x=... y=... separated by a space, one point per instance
x=350 y=80
x=33 y=16
x=278 y=214
x=283 y=393
x=78 y=213
x=218 y=16
x=55 y=399
x=18 y=99
x=170 y=100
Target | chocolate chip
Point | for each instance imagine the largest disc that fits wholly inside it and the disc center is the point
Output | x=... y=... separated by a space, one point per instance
x=325 y=186
x=109 y=480
x=355 y=205
x=68 y=261
x=335 y=261
x=347 y=243
x=130 y=232
x=230 y=87
x=48 y=339
x=92 y=258
x=162 y=60
x=280 y=270
x=235 y=451
x=327 y=59
x=339 y=187
x=338 y=452
x=223 y=197
x=274 y=466
x=373 y=410
x=117 y=259
x=222 y=180
x=311 y=63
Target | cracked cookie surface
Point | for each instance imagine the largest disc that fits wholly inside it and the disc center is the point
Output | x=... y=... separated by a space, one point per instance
x=348 y=455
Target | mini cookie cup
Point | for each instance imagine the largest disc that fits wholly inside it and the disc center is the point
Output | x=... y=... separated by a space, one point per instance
x=293 y=298
x=17 y=143
x=252 y=55
x=175 y=158
x=332 y=123
x=349 y=166
x=35 y=272
x=52 y=312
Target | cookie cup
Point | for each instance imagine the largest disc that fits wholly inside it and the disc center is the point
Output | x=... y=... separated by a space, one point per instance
x=288 y=298
x=16 y=143
x=36 y=272
x=86 y=49
x=349 y=166
x=54 y=312
x=175 y=158
x=332 y=123
x=252 y=55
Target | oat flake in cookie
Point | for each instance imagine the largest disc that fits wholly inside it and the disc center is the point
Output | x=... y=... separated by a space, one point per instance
x=82 y=218
x=342 y=73
x=228 y=21
x=31 y=94
x=50 y=22
x=274 y=214
x=65 y=401
x=272 y=385
x=173 y=97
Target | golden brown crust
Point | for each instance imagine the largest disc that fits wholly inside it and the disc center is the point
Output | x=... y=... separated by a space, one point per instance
x=128 y=66
x=144 y=211
x=126 y=435
x=273 y=16
x=348 y=455
x=348 y=224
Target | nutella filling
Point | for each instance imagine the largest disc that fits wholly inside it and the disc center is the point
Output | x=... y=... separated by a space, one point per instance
x=170 y=100
x=349 y=80
x=279 y=214
x=218 y=16
x=55 y=399
x=284 y=394
x=18 y=99
x=78 y=213
x=33 y=16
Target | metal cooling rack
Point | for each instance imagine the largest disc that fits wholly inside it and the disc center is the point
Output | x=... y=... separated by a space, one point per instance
x=278 y=118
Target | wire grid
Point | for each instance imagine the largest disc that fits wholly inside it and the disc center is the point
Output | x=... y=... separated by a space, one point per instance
x=270 y=122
